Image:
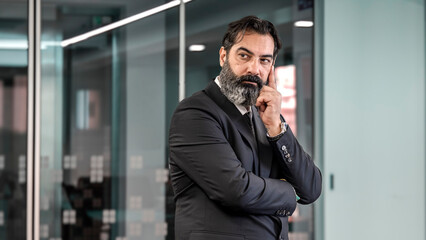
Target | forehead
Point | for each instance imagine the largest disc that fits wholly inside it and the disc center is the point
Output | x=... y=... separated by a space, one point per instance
x=260 y=44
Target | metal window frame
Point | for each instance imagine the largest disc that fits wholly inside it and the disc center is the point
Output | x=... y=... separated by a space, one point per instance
x=30 y=121
x=33 y=121
x=318 y=111
x=182 y=50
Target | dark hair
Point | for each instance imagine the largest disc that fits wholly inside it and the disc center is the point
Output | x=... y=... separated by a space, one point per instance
x=250 y=23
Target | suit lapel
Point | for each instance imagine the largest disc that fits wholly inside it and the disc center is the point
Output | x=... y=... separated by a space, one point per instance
x=264 y=148
x=213 y=91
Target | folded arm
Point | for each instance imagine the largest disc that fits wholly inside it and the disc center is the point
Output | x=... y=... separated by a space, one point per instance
x=199 y=147
x=298 y=168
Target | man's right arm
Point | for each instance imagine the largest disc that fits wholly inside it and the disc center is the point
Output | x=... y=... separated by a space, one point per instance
x=198 y=146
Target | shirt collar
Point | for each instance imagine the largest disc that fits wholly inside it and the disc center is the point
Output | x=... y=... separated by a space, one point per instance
x=240 y=107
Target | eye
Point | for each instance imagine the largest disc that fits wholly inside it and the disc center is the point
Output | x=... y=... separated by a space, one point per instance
x=265 y=60
x=243 y=55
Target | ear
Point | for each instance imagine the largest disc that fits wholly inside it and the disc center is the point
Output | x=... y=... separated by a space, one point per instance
x=222 y=56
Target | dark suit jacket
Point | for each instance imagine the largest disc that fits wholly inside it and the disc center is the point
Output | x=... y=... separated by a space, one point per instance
x=226 y=183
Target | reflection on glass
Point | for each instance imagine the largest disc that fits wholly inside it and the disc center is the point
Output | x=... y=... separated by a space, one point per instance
x=13 y=119
x=286 y=85
x=88 y=109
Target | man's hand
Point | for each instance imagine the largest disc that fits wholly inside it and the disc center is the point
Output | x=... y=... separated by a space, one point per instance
x=269 y=105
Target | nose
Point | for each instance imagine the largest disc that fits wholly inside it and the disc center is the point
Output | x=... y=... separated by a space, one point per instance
x=254 y=67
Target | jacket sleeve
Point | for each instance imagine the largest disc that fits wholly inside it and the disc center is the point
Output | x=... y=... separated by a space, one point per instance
x=298 y=168
x=199 y=147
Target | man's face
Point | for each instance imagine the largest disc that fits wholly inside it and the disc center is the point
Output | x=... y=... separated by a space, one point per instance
x=253 y=55
x=245 y=67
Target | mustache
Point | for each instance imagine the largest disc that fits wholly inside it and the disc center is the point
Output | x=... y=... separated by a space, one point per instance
x=251 y=78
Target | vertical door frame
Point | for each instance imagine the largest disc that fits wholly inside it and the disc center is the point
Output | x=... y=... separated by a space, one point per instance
x=33 y=121
x=182 y=50
x=30 y=121
x=318 y=113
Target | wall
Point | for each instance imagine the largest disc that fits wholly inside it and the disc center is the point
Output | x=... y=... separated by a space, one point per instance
x=373 y=94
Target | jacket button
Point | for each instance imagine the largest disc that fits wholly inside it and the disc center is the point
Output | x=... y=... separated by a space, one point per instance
x=289 y=160
x=284 y=148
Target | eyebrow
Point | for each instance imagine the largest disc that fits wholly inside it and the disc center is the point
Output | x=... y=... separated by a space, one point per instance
x=250 y=52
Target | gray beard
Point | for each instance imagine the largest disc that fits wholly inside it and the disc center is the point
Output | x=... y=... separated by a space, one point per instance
x=237 y=92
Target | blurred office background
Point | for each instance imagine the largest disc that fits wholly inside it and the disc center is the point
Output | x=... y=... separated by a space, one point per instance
x=84 y=124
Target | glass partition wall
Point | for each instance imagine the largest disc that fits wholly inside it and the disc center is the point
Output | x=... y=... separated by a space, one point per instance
x=206 y=24
x=105 y=106
x=103 y=125
x=13 y=118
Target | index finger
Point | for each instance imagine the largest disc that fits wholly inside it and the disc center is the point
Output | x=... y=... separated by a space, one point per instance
x=271 y=78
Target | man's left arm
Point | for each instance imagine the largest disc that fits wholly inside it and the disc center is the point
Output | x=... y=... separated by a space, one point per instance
x=298 y=167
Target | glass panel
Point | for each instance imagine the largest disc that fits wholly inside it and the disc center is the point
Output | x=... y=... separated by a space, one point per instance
x=206 y=24
x=103 y=144
x=13 y=118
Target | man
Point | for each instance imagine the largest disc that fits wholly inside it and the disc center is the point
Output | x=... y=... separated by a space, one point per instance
x=236 y=168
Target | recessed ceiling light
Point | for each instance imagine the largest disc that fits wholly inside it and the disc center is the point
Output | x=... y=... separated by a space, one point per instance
x=304 y=24
x=197 y=48
x=13 y=44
